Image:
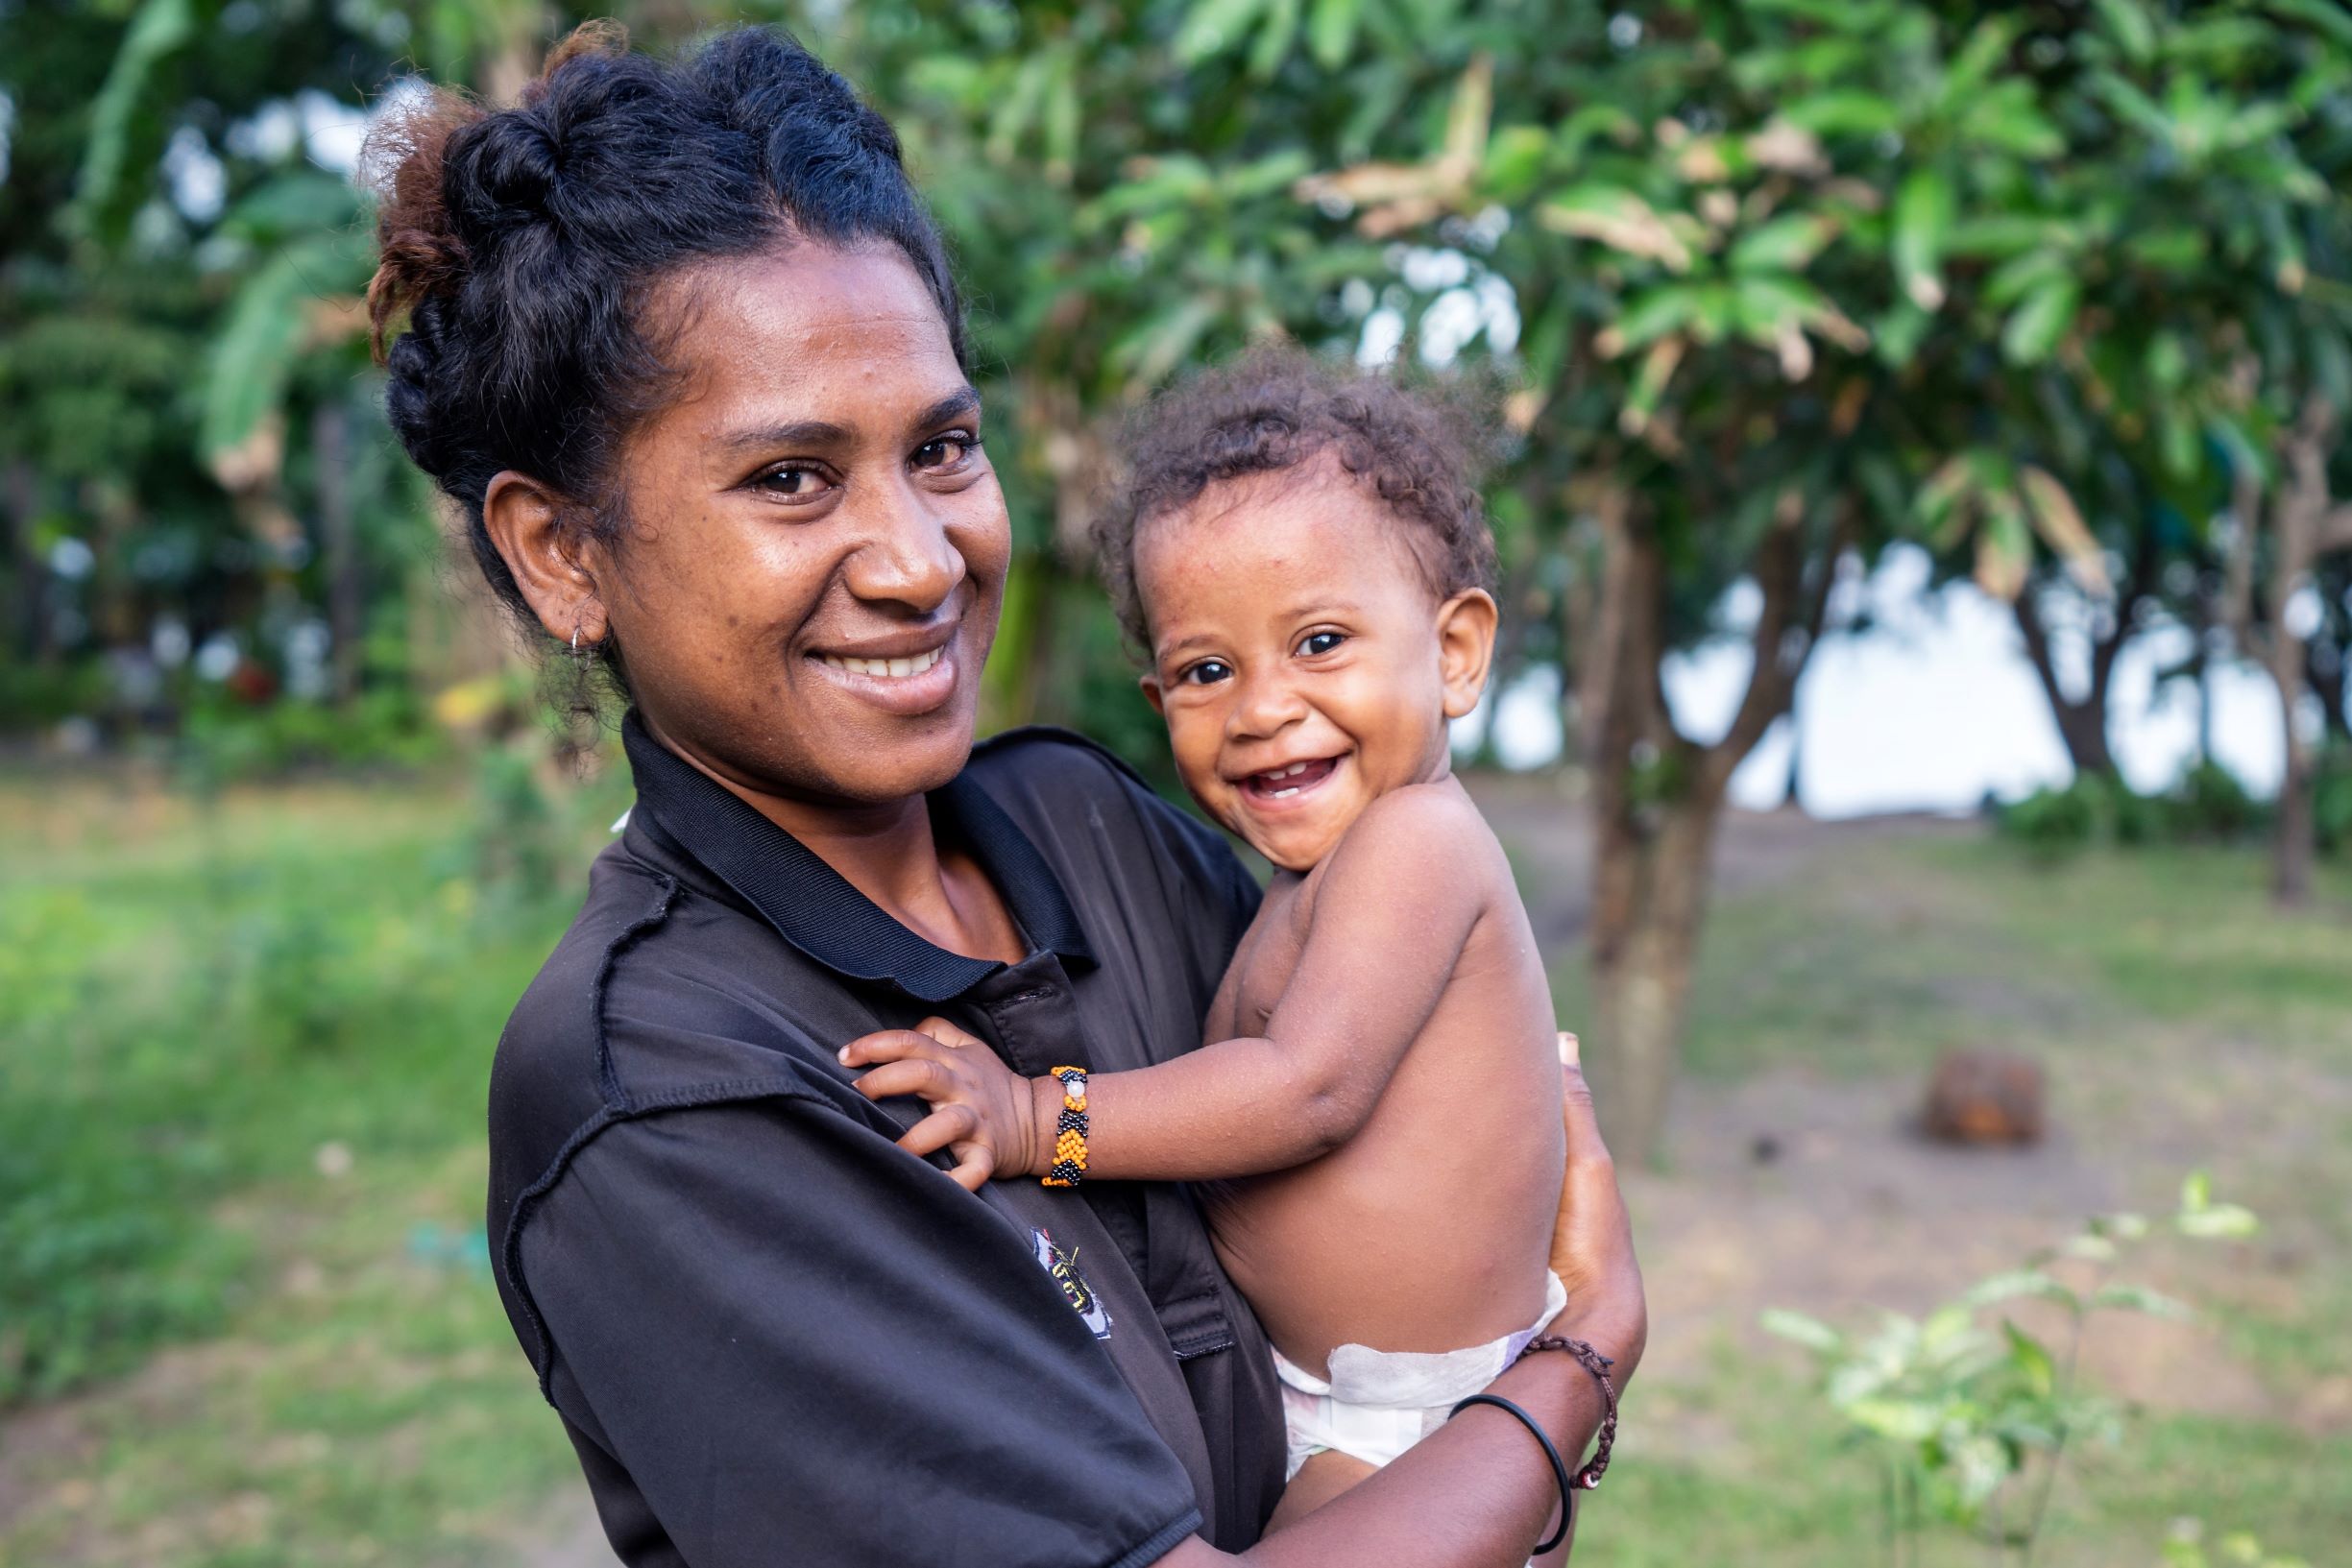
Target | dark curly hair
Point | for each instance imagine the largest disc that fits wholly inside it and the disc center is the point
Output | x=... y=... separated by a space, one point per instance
x=522 y=245
x=1417 y=451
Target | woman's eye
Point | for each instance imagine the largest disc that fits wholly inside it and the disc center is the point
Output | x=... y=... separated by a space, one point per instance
x=1319 y=642
x=949 y=451
x=794 y=482
x=1206 y=672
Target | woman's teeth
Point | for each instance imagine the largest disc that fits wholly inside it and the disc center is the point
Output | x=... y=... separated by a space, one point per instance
x=885 y=668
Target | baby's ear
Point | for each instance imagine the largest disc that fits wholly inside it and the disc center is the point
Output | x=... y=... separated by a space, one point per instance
x=1465 y=647
x=1152 y=695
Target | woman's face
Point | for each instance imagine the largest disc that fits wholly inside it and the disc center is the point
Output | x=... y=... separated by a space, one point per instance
x=816 y=547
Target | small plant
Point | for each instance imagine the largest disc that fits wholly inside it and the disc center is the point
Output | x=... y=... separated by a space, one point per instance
x=2185 y=1548
x=1970 y=1423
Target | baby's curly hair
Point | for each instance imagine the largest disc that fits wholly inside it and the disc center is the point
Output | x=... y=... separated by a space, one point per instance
x=1419 y=451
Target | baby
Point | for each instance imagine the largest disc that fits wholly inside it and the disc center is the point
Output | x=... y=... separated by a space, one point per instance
x=1376 y=1118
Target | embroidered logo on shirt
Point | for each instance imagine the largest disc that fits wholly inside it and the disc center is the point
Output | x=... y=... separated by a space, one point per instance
x=1063 y=1267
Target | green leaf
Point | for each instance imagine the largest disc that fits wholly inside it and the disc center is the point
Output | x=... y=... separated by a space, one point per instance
x=2036 y=326
x=1212 y=27
x=1902 y=1420
x=1843 y=113
x=1922 y=216
x=2196 y=1190
x=1274 y=38
x=2323 y=15
x=2031 y=1358
x=124 y=127
x=2017 y=277
x=2128 y=23
x=2221 y=1221
x=1811 y=1332
x=2138 y=1298
x=1332 y=31
x=1654 y=314
x=264 y=336
x=2020 y=1281
x=1515 y=157
x=1785 y=244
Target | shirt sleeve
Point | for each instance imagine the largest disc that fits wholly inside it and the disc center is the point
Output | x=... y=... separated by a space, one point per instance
x=804 y=1346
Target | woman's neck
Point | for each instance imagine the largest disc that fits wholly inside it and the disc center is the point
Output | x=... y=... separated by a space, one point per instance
x=890 y=852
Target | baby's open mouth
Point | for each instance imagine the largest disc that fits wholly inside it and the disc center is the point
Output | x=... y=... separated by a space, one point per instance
x=1291 y=779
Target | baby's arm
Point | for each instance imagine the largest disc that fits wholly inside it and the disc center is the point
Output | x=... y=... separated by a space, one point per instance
x=1393 y=910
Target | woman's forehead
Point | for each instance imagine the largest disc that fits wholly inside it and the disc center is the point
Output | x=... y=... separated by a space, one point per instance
x=841 y=333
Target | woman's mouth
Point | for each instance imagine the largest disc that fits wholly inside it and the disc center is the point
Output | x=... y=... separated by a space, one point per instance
x=1289 y=782
x=886 y=669
x=904 y=685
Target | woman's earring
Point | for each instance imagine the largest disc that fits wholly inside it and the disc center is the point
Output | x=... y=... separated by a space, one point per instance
x=575 y=637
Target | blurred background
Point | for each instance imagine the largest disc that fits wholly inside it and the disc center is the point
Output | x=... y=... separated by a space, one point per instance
x=1921 y=728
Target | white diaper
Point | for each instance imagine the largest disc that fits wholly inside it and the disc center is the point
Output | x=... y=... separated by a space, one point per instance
x=1379 y=1403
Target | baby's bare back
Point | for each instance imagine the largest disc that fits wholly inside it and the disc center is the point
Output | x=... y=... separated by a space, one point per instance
x=1429 y=1229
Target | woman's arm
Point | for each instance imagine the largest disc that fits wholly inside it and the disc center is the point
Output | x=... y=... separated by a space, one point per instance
x=1478 y=1492
x=803 y=1346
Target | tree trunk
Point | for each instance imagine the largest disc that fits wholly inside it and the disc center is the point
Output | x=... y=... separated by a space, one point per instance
x=2082 y=721
x=2303 y=526
x=1642 y=954
x=346 y=588
x=23 y=498
x=1658 y=798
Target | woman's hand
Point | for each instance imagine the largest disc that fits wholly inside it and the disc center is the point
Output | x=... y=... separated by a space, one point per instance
x=981 y=1112
x=1592 y=1239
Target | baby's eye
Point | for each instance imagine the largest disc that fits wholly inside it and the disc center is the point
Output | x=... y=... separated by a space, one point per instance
x=1319 y=642
x=1206 y=672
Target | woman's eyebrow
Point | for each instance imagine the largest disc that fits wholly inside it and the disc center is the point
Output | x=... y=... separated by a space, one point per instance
x=954 y=405
x=811 y=434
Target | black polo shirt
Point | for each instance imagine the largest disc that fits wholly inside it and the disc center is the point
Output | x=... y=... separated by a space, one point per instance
x=774 y=1338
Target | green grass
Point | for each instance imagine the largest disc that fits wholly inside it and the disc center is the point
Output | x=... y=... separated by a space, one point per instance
x=245 y=1320
x=243 y=1052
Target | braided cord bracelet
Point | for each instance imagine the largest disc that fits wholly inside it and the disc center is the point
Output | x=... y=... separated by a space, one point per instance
x=1560 y=1470
x=1598 y=1365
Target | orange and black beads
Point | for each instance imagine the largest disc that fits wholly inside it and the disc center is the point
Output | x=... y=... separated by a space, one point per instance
x=1069 y=1131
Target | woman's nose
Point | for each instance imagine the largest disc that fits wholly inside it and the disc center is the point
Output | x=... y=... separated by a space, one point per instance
x=905 y=555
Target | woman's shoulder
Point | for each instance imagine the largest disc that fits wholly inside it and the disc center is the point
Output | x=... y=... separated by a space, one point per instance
x=652 y=992
x=1060 y=771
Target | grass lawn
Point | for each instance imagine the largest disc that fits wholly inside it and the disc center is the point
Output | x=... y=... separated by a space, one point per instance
x=246 y=1318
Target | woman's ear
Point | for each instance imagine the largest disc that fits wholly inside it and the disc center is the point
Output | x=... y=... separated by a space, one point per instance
x=1465 y=647
x=526 y=523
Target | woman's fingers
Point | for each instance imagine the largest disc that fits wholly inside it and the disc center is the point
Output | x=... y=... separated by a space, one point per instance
x=1592 y=1239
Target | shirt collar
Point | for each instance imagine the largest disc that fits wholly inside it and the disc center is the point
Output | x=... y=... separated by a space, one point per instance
x=817 y=909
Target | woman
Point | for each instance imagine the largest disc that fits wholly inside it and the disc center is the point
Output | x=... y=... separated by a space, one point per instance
x=684 y=350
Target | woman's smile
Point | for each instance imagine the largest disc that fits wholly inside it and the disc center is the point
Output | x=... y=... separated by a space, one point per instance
x=906 y=675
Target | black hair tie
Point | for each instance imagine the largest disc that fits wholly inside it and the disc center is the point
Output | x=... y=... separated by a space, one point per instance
x=1560 y=1471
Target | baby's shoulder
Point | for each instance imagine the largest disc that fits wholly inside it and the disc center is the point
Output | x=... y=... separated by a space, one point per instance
x=1425 y=834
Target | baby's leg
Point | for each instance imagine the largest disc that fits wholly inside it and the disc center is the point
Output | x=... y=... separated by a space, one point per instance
x=1323 y=1478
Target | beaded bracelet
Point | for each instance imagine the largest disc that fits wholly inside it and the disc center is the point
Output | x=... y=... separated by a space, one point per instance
x=1598 y=1365
x=1560 y=1471
x=1069 y=1131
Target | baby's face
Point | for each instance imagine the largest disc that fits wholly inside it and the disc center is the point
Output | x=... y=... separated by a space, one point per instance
x=1300 y=659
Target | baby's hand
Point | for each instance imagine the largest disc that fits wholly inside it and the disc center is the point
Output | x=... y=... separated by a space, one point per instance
x=982 y=1111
